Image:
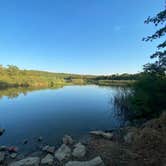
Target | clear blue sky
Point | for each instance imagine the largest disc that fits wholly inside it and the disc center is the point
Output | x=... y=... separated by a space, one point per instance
x=77 y=36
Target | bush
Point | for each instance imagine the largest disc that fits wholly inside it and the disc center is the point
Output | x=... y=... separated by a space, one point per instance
x=146 y=99
x=149 y=96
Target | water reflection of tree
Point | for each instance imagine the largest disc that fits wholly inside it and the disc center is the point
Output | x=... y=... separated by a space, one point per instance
x=12 y=93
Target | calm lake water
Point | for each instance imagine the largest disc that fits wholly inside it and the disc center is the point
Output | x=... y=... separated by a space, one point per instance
x=52 y=113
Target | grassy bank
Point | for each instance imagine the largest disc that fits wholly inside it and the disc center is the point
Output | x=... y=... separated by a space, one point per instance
x=115 y=82
x=12 y=76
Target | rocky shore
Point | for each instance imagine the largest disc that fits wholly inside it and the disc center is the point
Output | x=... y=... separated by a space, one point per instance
x=129 y=146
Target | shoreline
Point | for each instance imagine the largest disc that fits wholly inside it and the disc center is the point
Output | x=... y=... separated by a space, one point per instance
x=126 y=146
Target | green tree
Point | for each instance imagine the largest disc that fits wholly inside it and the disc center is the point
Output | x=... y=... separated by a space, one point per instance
x=159 y=66
x=149 y=96
x=12 y=70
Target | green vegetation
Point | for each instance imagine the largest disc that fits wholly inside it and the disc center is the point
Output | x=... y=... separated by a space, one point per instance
x=116 y=82
x=12 y=76
x=148 y=97
x=116 y=79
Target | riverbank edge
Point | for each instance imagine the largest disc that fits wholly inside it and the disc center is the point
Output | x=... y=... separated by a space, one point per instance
x=129 y=145
x=100 y=83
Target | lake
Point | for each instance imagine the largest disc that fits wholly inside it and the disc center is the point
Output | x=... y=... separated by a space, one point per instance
x=52 y=113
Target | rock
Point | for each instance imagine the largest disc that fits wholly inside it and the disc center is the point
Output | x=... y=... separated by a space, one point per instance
x=2 y=157
x=79 y=151
x=13 y=155
x=36 y=154
x=40 y=139
x=63 y=153
x=49 y=149
x=29 y=161
x=21 y=157
x=106 y=135
x=12 y=149
x=3 y=148
x=94 y=162
x=128 y=138
x=47 y=160
x=131 y=134
x=2 y=131
x=67 y=140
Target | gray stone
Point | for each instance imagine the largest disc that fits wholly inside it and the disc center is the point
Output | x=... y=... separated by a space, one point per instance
x=106 y=135
x=13 y=155
x=47 y=160
x=132 y=132
x=67 y=140
x=29 y=161
x=2 y=157
x=79 y=151
x=94 y=162
x=129 y=137
x=36 y=154
x=20 y=157
x=49 y=149
x=3 y=148
x=63 y=153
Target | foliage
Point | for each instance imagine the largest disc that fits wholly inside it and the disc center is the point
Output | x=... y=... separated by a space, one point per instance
x=124 y=76
x=159 y=66
x=149 y=95
x=12 y=76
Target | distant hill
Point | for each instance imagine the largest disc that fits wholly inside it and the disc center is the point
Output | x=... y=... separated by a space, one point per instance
x=12 y=76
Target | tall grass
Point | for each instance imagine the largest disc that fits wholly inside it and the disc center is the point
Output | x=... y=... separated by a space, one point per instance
x=122 y=102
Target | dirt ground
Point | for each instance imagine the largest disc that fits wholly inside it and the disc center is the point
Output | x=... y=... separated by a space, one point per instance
x=146 y=145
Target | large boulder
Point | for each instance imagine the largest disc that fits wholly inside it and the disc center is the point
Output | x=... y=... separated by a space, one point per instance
x=106 y=135
x=94 y=162
x=47 y=160
x=79 y=151
x=29 y=161
x=67 y=140
x=63 y=153
x=49 y=149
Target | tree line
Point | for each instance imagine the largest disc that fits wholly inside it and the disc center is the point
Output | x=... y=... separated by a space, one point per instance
x=12 y=76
